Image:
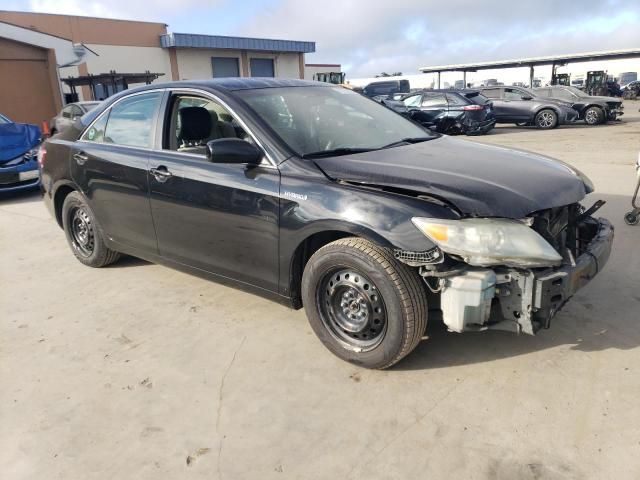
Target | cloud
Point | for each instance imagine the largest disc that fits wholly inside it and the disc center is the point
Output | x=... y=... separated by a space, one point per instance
x=376 y=36
x=155 y=10
x=368 y=37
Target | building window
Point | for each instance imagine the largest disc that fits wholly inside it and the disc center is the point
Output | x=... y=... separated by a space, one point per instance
x=262 y=67
x=225 y=67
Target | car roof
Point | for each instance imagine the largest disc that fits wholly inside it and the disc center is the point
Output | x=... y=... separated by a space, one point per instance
x=461 y=91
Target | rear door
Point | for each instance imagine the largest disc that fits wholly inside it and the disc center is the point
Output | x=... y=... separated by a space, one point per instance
x=220 y=218
x=499 y=105
x=515 y=108
x=434 y=106
x=110 y=164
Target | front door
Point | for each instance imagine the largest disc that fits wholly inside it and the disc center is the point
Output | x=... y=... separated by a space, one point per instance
x=221 y=218
x=110 y=163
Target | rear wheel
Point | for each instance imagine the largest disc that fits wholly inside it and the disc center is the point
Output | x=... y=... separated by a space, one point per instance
x=546 y=119
x=594 y=116
x=84 y=234
x=363 y=305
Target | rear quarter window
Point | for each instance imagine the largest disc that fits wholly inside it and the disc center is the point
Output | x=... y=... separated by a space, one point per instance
x=478 y=99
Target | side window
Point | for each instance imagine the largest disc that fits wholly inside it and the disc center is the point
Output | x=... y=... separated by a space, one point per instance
x=131 y=121
x=454 y=99
x=193 y=121
x=510 y=94
x=563 y=94
x=491 y=92
x=66 y=111
x=412 y=101
x=75 y=111
x=96 y=132
x=434 y=101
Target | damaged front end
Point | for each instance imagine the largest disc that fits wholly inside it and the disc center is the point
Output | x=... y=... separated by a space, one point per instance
x=522 y=294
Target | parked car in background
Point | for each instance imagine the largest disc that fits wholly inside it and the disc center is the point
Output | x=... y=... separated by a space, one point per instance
x=386 y=87
x=69 y=114
x=451 y=111
x=327 y=200
x=18 y=155
x=631 y=91
x=593 y=110
x=523 y=107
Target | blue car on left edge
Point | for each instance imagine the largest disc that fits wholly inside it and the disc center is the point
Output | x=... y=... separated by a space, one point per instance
x=18 y=155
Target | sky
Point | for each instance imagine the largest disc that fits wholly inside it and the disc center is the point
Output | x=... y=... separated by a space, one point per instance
x=368 y=37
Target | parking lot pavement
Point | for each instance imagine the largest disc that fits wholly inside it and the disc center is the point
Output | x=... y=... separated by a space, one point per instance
x=139 y=371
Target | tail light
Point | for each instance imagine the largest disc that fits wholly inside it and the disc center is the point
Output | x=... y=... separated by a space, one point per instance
x=42 y=153
x=472 y=108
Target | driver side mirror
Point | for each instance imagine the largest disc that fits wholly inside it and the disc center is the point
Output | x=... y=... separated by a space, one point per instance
x=233 y=150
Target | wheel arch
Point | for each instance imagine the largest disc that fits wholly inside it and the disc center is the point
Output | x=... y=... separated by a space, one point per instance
x=58 y=199
x=314 y=241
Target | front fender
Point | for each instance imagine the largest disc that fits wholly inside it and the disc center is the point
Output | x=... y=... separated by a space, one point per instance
x=311 y=204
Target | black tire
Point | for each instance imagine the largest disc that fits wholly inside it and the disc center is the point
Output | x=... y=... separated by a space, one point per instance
x=389 y=295
x=594 y=116
x=546 y=119
x=84 y=234
x=631 y=218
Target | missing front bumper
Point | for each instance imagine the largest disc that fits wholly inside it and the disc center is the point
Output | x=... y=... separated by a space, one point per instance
x=521 y=300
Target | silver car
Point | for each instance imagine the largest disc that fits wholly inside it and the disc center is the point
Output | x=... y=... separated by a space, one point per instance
x=69 y=114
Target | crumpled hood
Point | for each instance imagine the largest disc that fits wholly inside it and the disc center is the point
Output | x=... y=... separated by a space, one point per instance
x=480 y=180
x=16 y=139
x=604 y=99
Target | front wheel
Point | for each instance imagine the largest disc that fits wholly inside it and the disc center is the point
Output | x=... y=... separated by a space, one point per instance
x=84 y=234
x=594 y=116
x=363 y=305
x=546 y=119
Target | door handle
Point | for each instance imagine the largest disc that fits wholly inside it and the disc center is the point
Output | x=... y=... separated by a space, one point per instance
x=80 y=158
x=161 y=174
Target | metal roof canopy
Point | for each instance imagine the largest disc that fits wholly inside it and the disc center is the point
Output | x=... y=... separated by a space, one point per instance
x=532 y=62
x=188 y=40
x=112 y=78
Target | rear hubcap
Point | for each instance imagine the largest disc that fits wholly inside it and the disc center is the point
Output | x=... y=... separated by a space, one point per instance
x=82 y=231
x=352 y=309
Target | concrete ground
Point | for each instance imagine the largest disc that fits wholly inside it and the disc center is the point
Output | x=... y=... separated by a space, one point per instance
x=140 y=372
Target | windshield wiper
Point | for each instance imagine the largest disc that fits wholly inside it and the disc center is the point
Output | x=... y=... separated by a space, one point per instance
x=334 y=152
x=409 y=140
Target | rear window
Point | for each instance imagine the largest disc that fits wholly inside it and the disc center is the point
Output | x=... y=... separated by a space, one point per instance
x=477 y=98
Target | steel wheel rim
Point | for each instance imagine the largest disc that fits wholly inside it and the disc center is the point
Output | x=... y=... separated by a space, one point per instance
x=546 y=119
x=82 y=234
x=352 y=309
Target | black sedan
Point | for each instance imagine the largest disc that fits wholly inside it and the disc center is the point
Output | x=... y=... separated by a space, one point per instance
x=522 y=106
x=315 y=196
x=592 y=109
x=451 y=111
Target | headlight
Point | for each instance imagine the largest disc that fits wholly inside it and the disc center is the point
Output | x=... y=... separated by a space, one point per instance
x=488 y=241
x=31 y=154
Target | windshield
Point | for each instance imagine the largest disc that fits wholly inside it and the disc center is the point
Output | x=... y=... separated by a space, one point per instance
x=317 y=119
x=4 y=119
x=577 y=91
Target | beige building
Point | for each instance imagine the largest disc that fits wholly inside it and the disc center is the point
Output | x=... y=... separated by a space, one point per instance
x=49 y=60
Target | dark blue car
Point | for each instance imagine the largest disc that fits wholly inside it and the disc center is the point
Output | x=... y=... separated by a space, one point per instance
x=18 y=155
